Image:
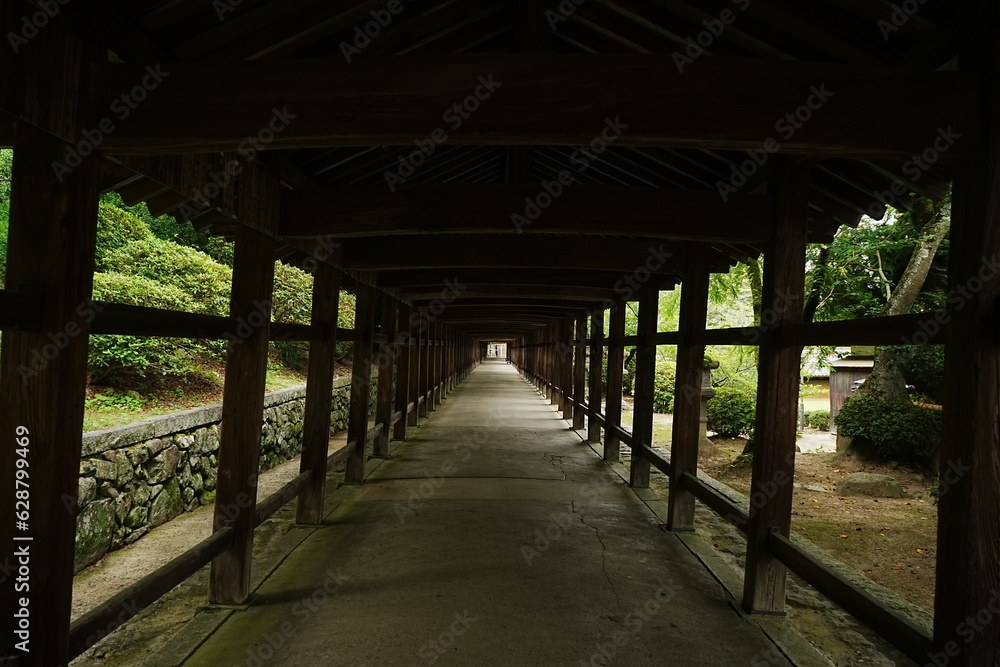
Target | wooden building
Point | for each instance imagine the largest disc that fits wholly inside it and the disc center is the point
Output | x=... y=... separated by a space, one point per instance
x=506 y=171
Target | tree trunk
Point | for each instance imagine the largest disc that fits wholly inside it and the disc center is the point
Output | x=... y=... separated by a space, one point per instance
x=934 y=219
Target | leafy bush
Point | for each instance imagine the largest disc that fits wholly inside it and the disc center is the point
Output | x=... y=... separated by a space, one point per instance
x=819 y=420
x=923 y=367
x=206 y=282
x=292 y=295
x=113 y=357
x=117 y=229
x=4 y=217
x=731 y=412
x=898 y=430
x=663 y=388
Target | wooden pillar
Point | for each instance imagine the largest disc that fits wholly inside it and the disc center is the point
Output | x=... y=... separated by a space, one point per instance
x=413 y=418
x=425 y=367
x=645 y=377
x=777 y=390
x=566 y=366
x=388 y=350
x=361 y=382
x=579 y=370
x=43 y=381
x=319 y=394
x=687 y=392
x=967 y=594
x=402 y=371
x=242 y=415
x=553 y=369
x=616 y=367
x=438 y=363
x=595 y=391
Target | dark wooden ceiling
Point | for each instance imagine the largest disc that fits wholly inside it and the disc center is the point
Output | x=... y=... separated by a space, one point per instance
x=448 y=221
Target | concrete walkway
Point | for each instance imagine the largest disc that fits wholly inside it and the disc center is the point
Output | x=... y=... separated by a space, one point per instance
x=494 y=536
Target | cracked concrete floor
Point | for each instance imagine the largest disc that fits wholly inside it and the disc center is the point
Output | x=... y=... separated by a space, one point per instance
x=494 y=536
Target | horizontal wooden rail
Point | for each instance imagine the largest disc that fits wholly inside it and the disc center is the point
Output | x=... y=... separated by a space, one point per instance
x=396 y=416
x=915 y=329
x=125 y=320
x=339 y=456
x=19 y=310
x=95 y=624
x=715 y=501
x=296 y=332
x=897 y=630
x=658 y=461
x=732 y=336
x=288 y=492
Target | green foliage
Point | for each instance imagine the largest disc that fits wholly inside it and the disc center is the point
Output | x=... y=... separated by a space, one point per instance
x=205 y=281
x=663 y=388
x=4 y=220
x=898 y=430
x=114 y=357
x=818 y=419
x=923 y=367
x=117 y=229
x=112 y=401
x=731 y=412
x=292 y=295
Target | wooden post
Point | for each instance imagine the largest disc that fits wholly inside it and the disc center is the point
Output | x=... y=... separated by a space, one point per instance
x=413 y=418
x=386 y=364
x=566 y=366
x=967 y=594
x=777 y=391
x=361 y=382
x=579 y=370
x=438 y=363
x=43 y=380
x=645 y=377
x=402 y=371
x=553 y=367
x=616 y=367
x=319 y=394
x=687 y=393
x=243 y=414
x=425 y=369
x=595 y=390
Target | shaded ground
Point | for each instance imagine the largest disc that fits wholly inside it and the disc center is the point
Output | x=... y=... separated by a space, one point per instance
x=893 y=541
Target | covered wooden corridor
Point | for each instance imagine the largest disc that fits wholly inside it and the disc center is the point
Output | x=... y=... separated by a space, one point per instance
x=479 y=171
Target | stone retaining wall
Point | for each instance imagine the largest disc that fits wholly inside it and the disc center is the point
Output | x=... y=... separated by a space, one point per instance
x=136 y=477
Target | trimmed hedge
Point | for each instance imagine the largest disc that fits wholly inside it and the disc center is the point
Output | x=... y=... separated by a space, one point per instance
x=898 y=430
x=731 y=412
x=819 y=420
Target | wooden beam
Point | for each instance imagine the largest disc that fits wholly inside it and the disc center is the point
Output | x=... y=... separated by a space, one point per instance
x=594 y=388
x=431 y=278
x=616 y=368
x=43 y=378
x=319 y=394
x=361 y=378
x=550 y=208
x=242 y=414
x=777 y=394
x=486 y=291
x=457 y=252
x=645 y=378
x=638 y=100
x=968 y=566
x=686 y=430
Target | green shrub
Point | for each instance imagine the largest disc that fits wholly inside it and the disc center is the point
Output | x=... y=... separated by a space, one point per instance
x=819 y=420
x=663 y=388
x=114 y=357
x=292 y=295
x=117 y=229
x=731 y=412
x=898 y=430
x=4 y=218
x=206 y=282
